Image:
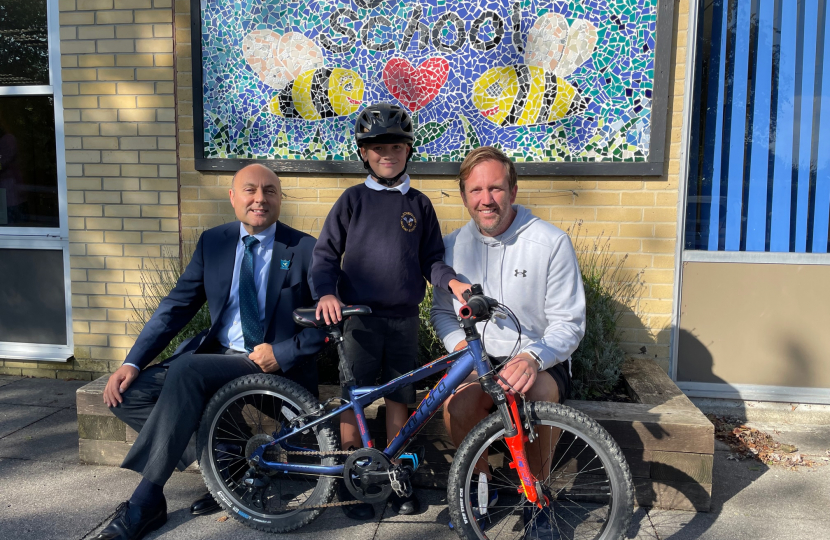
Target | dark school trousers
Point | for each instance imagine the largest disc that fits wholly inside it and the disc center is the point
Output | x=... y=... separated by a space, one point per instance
x=165 y=405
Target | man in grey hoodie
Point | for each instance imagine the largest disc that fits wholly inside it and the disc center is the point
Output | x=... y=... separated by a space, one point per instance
x=525 y=263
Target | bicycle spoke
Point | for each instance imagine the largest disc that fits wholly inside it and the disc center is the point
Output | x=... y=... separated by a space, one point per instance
x=245 y=415
x=574 y=459
x=259 y=414
x=230 y=438
x=228 y=414
x=577 y=484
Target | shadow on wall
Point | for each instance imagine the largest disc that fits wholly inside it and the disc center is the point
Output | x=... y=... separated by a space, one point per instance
x=729 y=477
x=696 y=362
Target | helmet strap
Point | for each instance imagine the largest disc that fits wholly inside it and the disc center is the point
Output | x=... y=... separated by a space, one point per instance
x=382 y=180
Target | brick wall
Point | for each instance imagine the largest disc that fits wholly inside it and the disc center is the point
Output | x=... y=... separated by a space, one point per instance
x=639 y=216
x=121 y=145
x=119 y=113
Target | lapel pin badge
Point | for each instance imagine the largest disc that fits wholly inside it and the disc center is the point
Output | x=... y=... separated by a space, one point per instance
x=285 y=264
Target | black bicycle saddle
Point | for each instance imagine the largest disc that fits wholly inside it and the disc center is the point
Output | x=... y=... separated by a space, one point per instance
x=306 y=316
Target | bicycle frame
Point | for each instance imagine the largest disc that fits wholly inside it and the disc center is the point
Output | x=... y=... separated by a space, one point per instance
x=459 y=365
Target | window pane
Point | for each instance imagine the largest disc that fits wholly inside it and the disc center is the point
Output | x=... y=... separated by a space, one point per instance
x=759 y=169
x=32 y=296
x=28 y=170
x=24 y=46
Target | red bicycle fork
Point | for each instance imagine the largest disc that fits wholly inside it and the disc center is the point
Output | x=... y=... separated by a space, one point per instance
x=531 y=487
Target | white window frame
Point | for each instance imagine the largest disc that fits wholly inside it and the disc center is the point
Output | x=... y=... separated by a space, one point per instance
x=46 y=238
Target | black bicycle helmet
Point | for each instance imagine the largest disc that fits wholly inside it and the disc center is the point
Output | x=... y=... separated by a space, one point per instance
x=383 y=123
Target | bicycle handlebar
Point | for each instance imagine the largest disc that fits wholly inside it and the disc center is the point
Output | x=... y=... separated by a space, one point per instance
x=478 y=306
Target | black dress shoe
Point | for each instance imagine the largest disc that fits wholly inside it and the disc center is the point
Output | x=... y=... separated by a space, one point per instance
x=405 y=506
x=360 y=511
x=205 y=504
x=132 y=522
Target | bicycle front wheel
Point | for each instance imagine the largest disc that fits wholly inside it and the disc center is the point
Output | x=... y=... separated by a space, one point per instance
x=242 y=416
x=581 y=469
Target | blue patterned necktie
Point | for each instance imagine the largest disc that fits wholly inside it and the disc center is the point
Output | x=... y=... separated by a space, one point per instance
x=248 y=305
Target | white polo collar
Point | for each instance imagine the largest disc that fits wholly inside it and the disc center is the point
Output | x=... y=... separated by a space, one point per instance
x=403 y=187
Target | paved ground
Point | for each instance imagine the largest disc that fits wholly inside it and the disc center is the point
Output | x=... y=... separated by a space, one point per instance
x=46 y=494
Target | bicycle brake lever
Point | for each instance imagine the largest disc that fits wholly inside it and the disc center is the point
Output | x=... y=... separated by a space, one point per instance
x=499 y=315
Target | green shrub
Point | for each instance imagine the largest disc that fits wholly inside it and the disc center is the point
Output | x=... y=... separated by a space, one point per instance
x=156 y=282
x=610 y=291
x=430 y=345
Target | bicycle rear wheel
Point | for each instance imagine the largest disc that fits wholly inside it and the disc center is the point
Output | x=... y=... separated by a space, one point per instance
x=245 y=414
x=584 y=475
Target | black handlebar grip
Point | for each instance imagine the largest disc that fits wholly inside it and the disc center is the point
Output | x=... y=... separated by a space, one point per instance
x=474 y=290
x=478 y=306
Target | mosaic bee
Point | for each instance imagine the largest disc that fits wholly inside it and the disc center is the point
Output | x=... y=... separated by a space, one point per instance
x=318 y=94
x=536 y=92
x=293 y=65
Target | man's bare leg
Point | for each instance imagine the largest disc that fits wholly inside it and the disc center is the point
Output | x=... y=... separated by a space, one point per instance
x=470 y=405
x=540 y=452
x=464 y=410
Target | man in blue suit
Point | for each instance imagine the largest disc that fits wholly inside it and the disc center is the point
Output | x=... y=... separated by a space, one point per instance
x=253 y=273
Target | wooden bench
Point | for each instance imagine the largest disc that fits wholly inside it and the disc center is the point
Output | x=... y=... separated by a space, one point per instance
x=668 y=442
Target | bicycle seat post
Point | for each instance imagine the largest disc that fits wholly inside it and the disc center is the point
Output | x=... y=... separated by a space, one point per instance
x=345 y=369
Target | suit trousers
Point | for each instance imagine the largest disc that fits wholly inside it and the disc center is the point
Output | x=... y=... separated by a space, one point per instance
x=165 y=404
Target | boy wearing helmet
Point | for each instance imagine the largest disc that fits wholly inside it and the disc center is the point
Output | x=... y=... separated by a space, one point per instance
x=391 y=239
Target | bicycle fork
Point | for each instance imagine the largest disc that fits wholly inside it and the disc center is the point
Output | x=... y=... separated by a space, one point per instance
x=516 y=439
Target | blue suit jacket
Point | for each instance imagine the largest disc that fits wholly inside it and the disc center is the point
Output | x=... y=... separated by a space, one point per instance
x=208 y=278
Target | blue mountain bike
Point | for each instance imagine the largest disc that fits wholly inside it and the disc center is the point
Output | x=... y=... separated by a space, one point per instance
x=270 y=453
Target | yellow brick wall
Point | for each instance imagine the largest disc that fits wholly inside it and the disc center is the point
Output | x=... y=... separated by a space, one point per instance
x=120 y=126
x=121 y=146
x=639 y=215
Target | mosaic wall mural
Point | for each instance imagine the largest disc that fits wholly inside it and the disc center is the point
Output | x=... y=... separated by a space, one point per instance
x=545 y=80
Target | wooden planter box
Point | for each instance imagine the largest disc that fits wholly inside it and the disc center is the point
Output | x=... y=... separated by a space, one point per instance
x=668 y=442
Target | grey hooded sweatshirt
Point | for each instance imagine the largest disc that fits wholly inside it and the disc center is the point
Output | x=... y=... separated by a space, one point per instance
x=532 y=269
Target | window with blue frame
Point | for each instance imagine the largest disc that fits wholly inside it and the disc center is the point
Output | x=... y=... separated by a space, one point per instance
x=759 y=160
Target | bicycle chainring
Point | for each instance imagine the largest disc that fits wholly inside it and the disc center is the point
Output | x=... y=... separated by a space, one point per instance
x=366 y=475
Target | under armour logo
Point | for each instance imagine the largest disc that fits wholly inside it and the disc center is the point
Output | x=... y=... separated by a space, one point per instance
x=523 y=273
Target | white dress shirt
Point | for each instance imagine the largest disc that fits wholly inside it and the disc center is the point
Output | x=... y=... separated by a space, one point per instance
x=229 y=332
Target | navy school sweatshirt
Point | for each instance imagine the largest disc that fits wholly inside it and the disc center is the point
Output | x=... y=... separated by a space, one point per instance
x=388 y=242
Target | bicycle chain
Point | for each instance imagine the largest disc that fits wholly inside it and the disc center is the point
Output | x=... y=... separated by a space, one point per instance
x=325 y=454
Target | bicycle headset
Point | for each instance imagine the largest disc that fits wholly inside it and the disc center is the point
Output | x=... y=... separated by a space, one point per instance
x=384 y=123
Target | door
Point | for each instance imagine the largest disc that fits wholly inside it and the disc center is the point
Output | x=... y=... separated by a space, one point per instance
x=35 y=307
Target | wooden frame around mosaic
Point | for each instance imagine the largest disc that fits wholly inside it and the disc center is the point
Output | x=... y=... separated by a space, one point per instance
x=651 y=168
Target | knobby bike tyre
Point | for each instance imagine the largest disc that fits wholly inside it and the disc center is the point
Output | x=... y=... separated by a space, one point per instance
x=589 y=481
x=241 y=416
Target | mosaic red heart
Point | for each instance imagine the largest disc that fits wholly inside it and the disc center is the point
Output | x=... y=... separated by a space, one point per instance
x=415 y=87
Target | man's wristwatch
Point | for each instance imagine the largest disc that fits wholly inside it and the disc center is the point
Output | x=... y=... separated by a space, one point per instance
x=538 y=360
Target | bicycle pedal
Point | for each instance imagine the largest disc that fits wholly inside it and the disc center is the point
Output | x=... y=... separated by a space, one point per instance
x=416 y=457
x=399 y=480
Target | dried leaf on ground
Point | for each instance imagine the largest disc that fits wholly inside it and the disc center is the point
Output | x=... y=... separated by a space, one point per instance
x=223 y=518
x=749 y=443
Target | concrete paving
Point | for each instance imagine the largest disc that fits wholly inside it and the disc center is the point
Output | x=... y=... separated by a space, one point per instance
x=46 y=494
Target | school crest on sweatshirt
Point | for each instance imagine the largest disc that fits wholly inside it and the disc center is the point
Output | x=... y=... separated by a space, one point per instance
x=408 y=221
